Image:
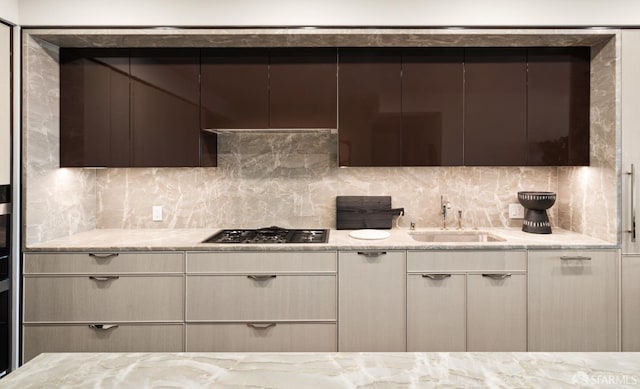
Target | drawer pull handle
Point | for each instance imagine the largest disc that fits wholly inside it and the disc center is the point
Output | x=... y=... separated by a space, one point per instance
x=103 y=327
x=436 y=277
x=575 y=258
x=103 y=256
x=261 y=277
x=103 y=278
x=372 y=253
x=261 y=326
x=498 y=276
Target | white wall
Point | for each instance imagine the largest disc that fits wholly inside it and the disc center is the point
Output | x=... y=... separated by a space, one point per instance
x=328 y=12
x=9 y=11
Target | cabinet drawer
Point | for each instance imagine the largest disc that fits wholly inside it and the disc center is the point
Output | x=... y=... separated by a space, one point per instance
x=267 y=297
x=236 y=262
x=103 y=263
x=436 y=313
x=573 y=301
x=372 y=307
x=83 y=338
x=109 y=298
x=435 y=261
x=263 y=337
x=497 y=312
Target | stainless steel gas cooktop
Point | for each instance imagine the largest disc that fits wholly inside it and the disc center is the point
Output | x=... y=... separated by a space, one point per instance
x=272 y=234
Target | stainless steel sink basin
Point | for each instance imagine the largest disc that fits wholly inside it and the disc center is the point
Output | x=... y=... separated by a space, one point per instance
x=455 y=236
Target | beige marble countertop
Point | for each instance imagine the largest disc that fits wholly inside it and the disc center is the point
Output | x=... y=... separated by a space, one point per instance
x=190 y=239
x=328 y=370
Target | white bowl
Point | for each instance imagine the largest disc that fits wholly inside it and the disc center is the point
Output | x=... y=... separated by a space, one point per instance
x=369 y=234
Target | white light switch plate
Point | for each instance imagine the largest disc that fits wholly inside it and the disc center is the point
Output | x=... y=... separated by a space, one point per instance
x=156 y=211
x=516 y=211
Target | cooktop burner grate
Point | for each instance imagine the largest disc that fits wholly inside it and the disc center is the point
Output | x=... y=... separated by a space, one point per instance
x=272 y=234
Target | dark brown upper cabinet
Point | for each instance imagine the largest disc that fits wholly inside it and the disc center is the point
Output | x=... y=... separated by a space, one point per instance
x=94 y=108
x=401 y=107
x=261 y=89
x=432 y=98
x=370 y=95
x=495 y=107
x=235 y=88
x=558 y=106
x=132 y=108
x=165 y=107
x=303 y=88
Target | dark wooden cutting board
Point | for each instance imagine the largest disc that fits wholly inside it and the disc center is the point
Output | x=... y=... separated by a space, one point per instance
x=357 y=212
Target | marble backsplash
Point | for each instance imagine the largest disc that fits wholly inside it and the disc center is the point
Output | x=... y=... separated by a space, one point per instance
x=292 y=179
x=57 y=202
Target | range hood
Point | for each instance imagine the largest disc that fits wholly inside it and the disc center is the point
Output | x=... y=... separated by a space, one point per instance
x=270 y=130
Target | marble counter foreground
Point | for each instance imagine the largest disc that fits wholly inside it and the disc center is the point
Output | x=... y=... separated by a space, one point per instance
x=328 y=370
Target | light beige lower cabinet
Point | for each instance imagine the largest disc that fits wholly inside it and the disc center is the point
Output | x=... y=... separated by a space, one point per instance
x=261 y=301
x=631 y=303
x=466 y=301
x=98 y=298
x=573 y=300
x=372 y=301
x=261 y=337
x=497 y=312
x=103 y=302
x=436 y=312
x=40 y=338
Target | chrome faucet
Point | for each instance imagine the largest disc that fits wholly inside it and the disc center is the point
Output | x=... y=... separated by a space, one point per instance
x=444 y=205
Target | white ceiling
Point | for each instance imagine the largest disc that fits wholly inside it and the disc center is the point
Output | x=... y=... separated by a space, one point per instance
x=322 y=12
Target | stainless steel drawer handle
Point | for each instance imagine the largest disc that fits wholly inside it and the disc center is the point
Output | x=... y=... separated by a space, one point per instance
x=436 y=276
x=261 y=277
x=575 y=258
x=103 y=256
x=632 y=208
x=103 y=278
x=103 y=327
x=372 y=253
x=497 y=276
x=261 y=326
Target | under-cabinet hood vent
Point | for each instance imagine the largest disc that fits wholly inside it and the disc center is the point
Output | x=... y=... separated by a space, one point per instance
x=271 y=130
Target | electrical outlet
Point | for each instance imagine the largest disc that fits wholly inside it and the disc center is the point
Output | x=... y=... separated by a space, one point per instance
x=156 y=212
x=516 y=211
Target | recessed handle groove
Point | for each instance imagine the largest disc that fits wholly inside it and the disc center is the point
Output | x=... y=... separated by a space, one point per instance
x=497 y=276
x=103 y=327
x=372 y=253
x=261 y=277
x=103 y=256
x=103 y=278
x=261 y=326
x=575 y=258
x=436 y=277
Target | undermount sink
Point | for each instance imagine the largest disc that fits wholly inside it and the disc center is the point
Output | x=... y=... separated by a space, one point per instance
x=455 y=236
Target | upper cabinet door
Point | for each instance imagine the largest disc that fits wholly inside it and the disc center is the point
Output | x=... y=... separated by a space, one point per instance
x=558 y=106
x=235 y=88
x=370 y=108
x=165 y=107
x=303 y=88
x=432 y=90
x=495 y=107
x=94 y=108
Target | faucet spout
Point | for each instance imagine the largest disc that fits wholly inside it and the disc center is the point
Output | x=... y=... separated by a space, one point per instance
x=444 y=206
